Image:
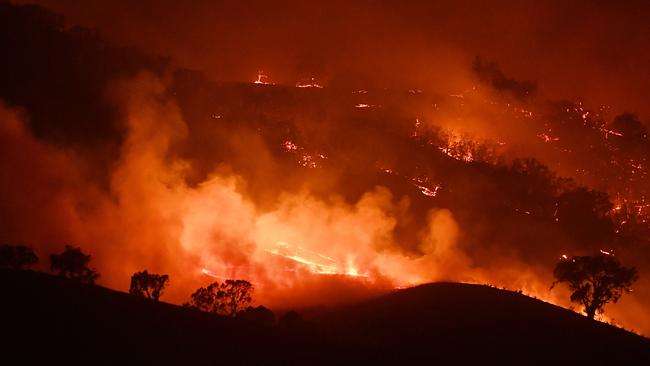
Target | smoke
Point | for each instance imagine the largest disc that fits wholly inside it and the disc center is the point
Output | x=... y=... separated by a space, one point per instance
x=151 y=218
x=580 y=49
x=299 y=249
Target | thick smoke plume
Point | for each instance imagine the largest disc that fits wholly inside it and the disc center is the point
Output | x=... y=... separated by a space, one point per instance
x=151 y=218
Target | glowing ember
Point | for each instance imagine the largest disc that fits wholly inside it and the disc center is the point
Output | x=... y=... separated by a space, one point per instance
x=610 y=132
x=420 y=183
x=308 y=161
x=310 y=84
x=262 y=79
x=289 y=146
x=416 y=127
x=305 y=159
x=548 y=138
x=428 y=192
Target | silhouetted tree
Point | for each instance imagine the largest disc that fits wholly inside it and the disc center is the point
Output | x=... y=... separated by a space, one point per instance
x=226 y=298
x=17 y=257
x=148 y=285
x=594 y=280
x=205 y=299
x=72 y=263
x=236 y=295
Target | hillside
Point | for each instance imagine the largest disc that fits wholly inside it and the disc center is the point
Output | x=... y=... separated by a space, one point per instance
x=464 y=322
x=48 y=318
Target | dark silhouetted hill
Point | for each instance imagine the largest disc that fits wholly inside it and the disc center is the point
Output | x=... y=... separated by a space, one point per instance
x=47 y=319
x=454 y=321
x=51 y=320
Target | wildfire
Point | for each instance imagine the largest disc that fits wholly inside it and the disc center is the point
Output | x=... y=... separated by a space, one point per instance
x=416 y=128
x=309 y=84
x=547 y=138
x=428 y=192
x=466 y=156
x=289 y=146
x=314 y=262
x=421 y=184
x=305 y=159
x=308 y=161
x=610 y=132
x=262 y=79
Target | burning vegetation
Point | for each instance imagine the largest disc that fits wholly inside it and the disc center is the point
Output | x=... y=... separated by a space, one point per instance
x=313 y=193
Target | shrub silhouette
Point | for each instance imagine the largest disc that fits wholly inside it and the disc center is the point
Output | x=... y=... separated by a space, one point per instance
x=594 y=280
x=227 y=298
x=17 y=257
x=148 y=285
x=72 y=263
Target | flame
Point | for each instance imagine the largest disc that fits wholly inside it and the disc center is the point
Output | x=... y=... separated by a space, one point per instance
x=305 y=159
x=309 y=84
x=548 y=138
x=262 y=79
x=314 y=262
x=215 y=228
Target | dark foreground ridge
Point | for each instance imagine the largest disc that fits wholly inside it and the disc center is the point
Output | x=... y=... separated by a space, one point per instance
x=454 y=320
x=51 y=320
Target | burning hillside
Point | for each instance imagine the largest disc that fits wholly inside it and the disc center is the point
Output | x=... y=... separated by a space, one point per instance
x=317 y=187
